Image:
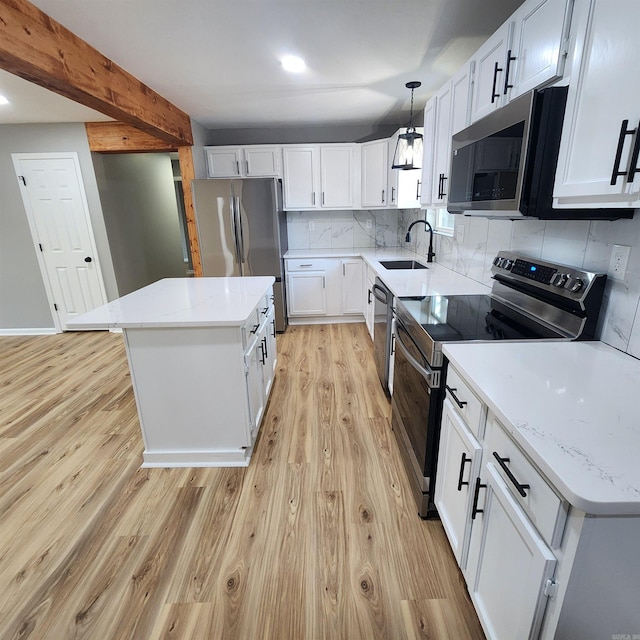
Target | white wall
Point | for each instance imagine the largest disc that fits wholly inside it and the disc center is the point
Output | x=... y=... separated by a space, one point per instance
x=23 y=299
x=577 y=243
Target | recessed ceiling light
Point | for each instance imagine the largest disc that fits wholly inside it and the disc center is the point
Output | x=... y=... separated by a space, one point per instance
x=3 y=100
x=293 y=64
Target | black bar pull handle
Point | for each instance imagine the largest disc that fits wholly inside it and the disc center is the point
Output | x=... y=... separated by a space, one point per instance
x=475 y=511
x=634 y=156
x=459 y=402
x=510 y=59
x=519 y=487
x=463 y=462
x=495 y=95
x=624 y=132
x=369 y=296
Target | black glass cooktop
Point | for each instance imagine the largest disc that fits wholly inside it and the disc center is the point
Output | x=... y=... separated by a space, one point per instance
x=472 y=317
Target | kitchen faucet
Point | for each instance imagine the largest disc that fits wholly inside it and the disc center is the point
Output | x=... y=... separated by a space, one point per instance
x=430 y=254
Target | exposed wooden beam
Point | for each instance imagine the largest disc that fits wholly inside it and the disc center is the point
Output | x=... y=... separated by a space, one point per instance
x=115 y=137
x=39 y=49
x=188 y=174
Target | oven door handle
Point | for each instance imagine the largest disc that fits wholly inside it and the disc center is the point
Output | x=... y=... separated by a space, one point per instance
x=432 y=377
x=384 y=300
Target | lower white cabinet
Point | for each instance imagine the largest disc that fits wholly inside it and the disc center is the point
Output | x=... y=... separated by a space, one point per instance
x=509 y=566
x=369 y=301
x=324 y=287
x=458 y=466
x=307 y=293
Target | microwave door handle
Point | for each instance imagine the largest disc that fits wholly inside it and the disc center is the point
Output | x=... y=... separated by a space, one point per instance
x=426 y=372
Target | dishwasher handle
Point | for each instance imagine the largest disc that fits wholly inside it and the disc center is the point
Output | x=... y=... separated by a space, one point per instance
x=384 y=292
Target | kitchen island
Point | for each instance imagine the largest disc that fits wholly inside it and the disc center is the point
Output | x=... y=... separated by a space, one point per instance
x=202 y=356
x=545 y=519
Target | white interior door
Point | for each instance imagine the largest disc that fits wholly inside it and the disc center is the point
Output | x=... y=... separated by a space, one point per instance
x=58 y=214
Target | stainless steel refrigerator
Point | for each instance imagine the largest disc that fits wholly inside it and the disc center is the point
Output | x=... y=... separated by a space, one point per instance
x=242 y=232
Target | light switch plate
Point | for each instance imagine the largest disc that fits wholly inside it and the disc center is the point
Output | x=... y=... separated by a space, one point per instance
x=619 y=261
x=460 y=233
x=312 y=225
x=369 y=223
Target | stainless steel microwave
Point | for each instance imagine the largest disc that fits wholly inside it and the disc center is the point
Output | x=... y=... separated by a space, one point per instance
x=504 y=165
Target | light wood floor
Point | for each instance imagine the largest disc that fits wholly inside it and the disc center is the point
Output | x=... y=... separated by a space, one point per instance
x=317 y=539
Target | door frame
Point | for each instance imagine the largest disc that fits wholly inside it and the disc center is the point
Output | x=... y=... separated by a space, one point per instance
x=62 y=155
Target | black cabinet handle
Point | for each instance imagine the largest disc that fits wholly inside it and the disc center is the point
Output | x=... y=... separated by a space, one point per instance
x=495 y=95
x=444 y=179
x=634 y=156
x=624 y=132
x=255 y=329
x=418 y=183
x=88 y=259
x=273 y=322
x=459 y=402
x=264 y=311
x=510 y=59
x=520 y=487
x=369 y=296
x=475 y=511
x=263 y=351
x=463 y=461
x=266 y=353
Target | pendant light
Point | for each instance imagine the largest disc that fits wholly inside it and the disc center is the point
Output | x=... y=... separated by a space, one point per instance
x=408 y=153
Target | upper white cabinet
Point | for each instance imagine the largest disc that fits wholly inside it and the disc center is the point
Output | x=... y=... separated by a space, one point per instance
x=490 y=62
x=375 y=169
x=441 y=147
x=429 y=145
x=317 y=177
x=598 y=160
x=403 y=186
x=526 y=52
x=256 y=161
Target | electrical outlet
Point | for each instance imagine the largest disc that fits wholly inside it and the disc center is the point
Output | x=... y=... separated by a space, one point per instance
x=369 y=223
x=619 y=261
x=460 y=233
x=312 y=225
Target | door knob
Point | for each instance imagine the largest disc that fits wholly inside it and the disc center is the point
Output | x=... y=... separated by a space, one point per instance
x=88 y=259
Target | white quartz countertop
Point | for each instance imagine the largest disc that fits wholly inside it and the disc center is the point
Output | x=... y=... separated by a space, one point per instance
x=180 y=302
x=572 y=407
x=435 y=280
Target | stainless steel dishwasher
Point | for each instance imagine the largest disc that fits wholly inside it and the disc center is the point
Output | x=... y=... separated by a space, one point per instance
x=383 y=331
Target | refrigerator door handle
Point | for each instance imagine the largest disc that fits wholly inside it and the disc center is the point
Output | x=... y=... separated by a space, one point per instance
x=241 y=237
x=234 y=222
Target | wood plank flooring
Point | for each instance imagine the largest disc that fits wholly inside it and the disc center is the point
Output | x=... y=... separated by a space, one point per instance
x=318 y=538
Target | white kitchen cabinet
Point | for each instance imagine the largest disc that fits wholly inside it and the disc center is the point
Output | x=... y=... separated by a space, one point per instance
x=442 y=147
x=461 y=94
x=459 y=459
x=526 y=52
x=490 y=63
x=301 y=180
x=600 y=138
x=539 y=50
x=375 y=169
x=254 y=370
x=427 y=179
x=512 y=567
x=403 y=186
x=320 y=176
x=256 y=161
x=307 y=293
x=369 y=300
x=351 y=285
x=337 y=179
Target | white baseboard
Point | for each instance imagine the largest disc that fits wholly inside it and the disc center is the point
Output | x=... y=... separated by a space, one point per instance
x=29 y=331
x=235 y=458
x=297 y=320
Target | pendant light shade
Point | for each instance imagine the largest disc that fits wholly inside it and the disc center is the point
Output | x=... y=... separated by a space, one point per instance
x=408 y=154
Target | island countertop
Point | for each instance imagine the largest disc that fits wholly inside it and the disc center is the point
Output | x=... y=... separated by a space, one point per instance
x=572 y=407
x=180 y=302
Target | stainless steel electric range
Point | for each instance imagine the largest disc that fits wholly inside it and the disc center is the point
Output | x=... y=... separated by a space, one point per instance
x=529 y=300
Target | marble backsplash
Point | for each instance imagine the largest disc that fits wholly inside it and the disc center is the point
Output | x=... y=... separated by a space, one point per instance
x=345 y=229
x=475 y=242
x=578 y=243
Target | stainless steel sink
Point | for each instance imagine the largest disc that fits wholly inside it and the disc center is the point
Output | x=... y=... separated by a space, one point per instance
x=402 y=264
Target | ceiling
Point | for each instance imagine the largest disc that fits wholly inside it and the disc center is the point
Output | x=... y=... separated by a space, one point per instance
x=218 y=60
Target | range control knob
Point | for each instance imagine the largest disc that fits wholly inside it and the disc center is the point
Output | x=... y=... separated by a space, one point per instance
x=559 y=280
x=574 y=284
x=507 y=264
x=497 y=260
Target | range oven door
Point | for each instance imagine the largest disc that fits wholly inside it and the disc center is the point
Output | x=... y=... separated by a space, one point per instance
x=416 y=415
x=382 y=318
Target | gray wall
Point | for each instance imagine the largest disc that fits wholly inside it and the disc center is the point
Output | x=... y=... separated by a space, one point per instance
x=141 y=217
x=23 y=300
x=300 y=135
